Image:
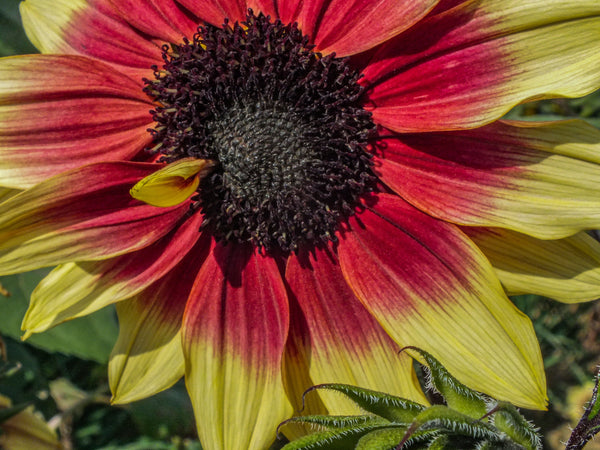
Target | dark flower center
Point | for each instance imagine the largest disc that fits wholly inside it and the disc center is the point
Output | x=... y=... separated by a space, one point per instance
x=284 y=124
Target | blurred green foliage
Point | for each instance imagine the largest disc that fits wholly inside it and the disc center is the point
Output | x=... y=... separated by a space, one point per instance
x=468 y=420
x=12 y=39
x=90 y=337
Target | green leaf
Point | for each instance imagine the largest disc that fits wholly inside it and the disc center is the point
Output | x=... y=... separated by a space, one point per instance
x=439 y=443
x=594 y=405
x=341 y=439
x=337 y=422
x=443 y=418
x=390 y=407
x=168 y=413
x=90 y=337
x=508 y=420
x=464 y=423
x=13 y=40
x=456 y=394
x=381 y=439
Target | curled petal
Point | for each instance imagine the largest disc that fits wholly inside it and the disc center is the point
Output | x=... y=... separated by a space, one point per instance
x=173 y=184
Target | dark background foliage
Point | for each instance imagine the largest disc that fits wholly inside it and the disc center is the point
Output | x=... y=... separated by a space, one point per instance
x=63 y=372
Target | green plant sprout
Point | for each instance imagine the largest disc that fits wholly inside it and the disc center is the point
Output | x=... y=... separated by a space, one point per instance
x=467 y=420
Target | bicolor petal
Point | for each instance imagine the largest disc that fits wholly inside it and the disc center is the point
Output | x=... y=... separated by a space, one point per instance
x=234 y=333
x=469 y=65
x=76 y=289
x=174 y=183
x=163 y=19
x=215 y=11
x=90 y=28
x=347 y=344
x=296 y=372
x=350 y=27
x=148 y=356
x=61 y=112
x=65 y=218
x=430 y=287
x=540 y=179
x=566 y=269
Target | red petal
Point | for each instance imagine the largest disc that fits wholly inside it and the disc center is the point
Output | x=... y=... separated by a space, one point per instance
x=468 y=66
x=163 y=19
x=234 y=332
x=74 y=290
x=84 y=214
x=347 y=344
x=91 y=28
x=215 y=11
x=429 y=286
x=61 y=112
x=515 y=175
x=347 y=27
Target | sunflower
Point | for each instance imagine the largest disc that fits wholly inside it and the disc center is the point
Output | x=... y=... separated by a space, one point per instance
x=277 y=194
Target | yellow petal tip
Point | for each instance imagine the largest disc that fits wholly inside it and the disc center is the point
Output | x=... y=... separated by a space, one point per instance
x=26 y=335
x=173 y=184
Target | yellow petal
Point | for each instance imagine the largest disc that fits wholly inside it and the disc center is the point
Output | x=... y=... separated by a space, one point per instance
x=54 y=221
x=45 y=22
x=296 y=376
x=347 y=345
x=147 y=357
x=566 y=269
x=172 y=184
x=76 y=289
x=26 y=430
x=541 y=179
x=233 y=340
x=6 y=193
x=430 y=287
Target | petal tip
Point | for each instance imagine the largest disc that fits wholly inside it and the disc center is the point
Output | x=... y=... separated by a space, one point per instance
x=172 y=184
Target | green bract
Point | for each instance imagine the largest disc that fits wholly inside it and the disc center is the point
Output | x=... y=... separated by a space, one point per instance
x=469 y=420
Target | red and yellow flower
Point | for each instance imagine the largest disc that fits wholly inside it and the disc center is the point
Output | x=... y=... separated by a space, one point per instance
x=309 y=199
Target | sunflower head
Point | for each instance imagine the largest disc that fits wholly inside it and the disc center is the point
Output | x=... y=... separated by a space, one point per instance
x=284 y=123
x=324 y=183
